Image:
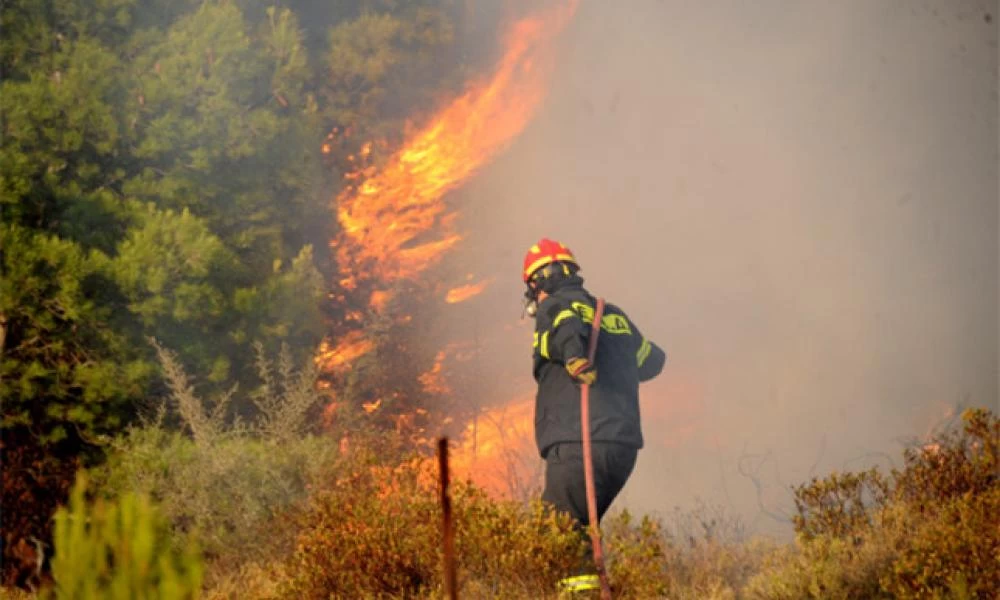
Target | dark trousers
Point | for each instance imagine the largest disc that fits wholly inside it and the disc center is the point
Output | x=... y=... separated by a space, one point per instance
x=565 y=486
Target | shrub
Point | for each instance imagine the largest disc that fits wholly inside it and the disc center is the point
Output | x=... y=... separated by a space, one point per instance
x=227 y=480
x=510 y=548
x=119 y=550
x=927 y=531
x=957 y=550
x=839 y=505
x=700 y=554
x=230 y=493
x=376 y=533
x=955 y=463
x=640 y=559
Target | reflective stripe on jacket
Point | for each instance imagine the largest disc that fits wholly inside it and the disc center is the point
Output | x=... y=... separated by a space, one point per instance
x=624 y=359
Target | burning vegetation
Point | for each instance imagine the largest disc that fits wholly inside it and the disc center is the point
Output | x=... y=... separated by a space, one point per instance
x=397 y=225
x=160 y=170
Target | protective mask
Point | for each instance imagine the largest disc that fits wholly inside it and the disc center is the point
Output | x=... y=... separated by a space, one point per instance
x=531 y=307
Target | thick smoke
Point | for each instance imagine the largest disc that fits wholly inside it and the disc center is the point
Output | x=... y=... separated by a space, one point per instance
x=798 y=201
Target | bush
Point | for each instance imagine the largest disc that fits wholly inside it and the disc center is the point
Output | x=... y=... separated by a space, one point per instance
x=956 y=463
x=927 y=531
x=230 y=493
x=640 y=558
x=226 y=480
x=825 y=567
x=700 y=555
x=957 y=550
x=839 y=505
x=119 y=550
x=377 y=534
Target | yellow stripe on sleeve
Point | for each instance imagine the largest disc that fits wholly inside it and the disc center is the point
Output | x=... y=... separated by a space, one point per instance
x=644 y=349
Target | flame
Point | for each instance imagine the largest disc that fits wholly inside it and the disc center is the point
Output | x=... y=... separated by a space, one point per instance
x=465 y=292
x=351 y=347
x=497 y=450
x=394 y=222
x=433 y=380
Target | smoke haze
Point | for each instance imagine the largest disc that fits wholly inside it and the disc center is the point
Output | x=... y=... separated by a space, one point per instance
x=797 y=201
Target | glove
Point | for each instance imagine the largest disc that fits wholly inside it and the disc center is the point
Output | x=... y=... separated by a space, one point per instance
x=582 y=370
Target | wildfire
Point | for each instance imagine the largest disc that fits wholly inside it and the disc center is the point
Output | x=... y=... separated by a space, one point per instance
x=394 y=222
x=353 y=346
x=433 y=380
x=497 y=450
x=464 y=292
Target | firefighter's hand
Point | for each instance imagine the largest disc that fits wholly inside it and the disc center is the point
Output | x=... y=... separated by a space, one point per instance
x=582 y=370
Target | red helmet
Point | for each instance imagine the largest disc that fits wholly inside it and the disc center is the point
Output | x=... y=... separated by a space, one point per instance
x=545 y=252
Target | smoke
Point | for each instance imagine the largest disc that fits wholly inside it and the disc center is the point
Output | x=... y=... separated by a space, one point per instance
x=797 y=201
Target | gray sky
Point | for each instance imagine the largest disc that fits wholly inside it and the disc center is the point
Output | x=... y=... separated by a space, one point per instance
x=797 y=200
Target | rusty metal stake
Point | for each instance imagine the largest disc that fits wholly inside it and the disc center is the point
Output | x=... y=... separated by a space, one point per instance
x=588 y=459
x=447 y=524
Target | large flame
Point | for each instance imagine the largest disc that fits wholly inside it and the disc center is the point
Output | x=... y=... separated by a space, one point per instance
x=394 y=222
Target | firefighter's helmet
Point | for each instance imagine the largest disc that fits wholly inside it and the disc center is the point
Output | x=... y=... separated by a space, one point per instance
x=546 y=252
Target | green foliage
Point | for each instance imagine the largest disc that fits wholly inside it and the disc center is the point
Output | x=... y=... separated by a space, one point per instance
x=376 y=55
x=155 y=183
x=226 y=482
x=119 y=550
x=162 y=177
x=64 y=368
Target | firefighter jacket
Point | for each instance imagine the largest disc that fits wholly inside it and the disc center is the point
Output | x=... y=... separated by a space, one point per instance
x=624 y=359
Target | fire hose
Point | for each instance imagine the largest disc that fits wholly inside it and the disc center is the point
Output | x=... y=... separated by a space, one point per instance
x=588 y=459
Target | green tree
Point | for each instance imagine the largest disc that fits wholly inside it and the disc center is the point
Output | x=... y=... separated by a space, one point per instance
x=162 y=177
x=385 y=62
x=156 y=182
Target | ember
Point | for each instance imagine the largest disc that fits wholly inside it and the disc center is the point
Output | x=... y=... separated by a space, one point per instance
x=464 y=292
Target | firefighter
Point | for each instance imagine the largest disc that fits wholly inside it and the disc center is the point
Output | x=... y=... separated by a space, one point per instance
x=564 y=312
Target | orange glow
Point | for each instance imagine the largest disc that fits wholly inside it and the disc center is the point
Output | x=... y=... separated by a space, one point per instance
x=378 y=300
x=433 y=380
x=464 y=292
x=395 y=225
x=350 y=348
x=497 y=451
x=673 y=406
x=394 y=222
